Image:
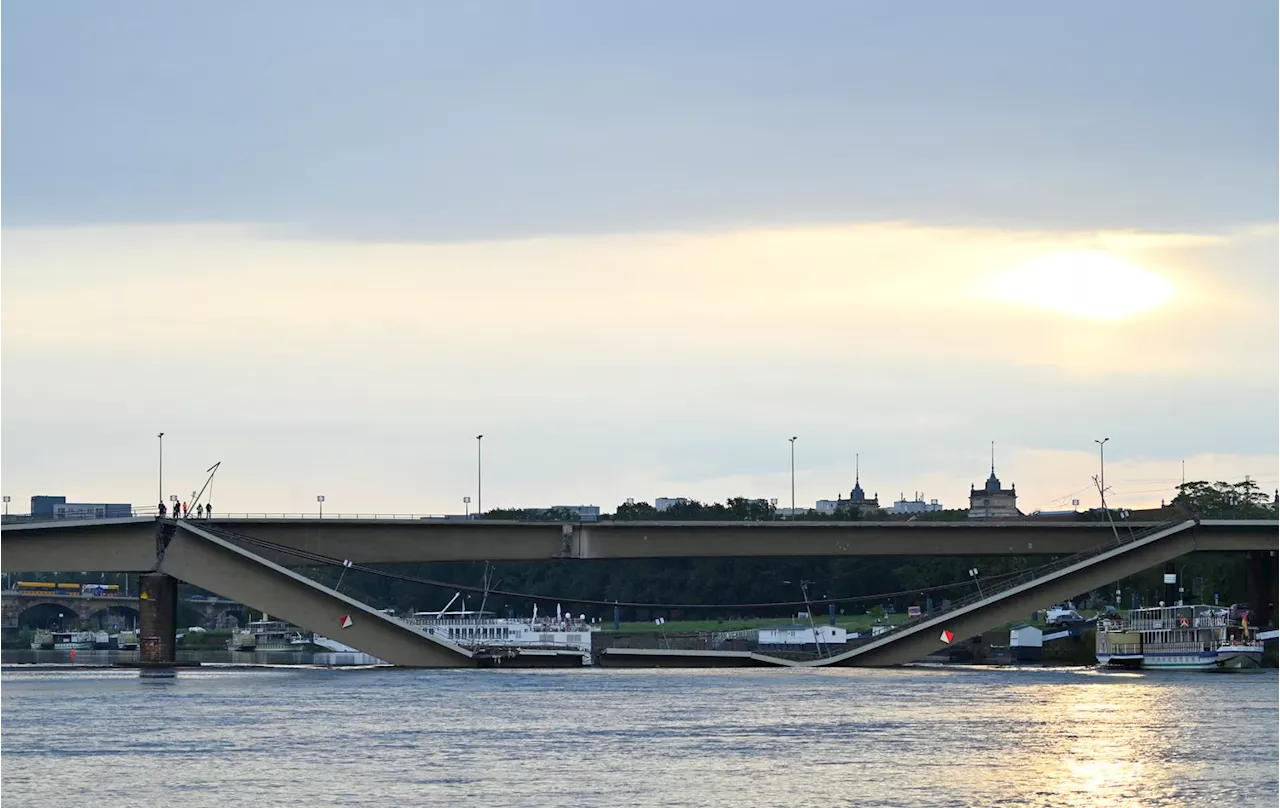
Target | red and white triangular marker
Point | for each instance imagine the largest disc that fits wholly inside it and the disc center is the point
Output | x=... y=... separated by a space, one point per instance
x=947 y=636
x=346 y=621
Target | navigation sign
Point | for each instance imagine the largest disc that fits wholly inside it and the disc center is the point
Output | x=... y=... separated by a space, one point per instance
x=346 y=621
x=947 y=636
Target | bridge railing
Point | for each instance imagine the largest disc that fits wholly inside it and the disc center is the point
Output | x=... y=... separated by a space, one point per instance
x=151 y=513
x=1013 y=581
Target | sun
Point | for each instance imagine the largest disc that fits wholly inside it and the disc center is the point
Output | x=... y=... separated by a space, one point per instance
x=1090 y=284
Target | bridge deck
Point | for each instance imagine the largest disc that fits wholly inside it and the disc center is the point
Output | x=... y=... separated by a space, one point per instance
x=128 y=545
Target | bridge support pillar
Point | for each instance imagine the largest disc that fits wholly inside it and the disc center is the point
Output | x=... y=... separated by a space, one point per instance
x=1261 y=570
x=158 y=610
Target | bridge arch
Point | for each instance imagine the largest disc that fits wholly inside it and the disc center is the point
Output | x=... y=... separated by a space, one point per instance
x=49 y=614
x=115 y=615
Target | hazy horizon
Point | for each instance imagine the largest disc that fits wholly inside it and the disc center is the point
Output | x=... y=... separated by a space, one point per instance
x=637 y=249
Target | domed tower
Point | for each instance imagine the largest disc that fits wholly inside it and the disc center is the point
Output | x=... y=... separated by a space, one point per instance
x=991 y=501
x=857 y=497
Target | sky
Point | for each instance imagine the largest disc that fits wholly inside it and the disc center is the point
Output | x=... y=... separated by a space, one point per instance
x=637 y=248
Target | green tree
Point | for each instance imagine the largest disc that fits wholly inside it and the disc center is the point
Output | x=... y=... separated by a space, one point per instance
x=1242 y=500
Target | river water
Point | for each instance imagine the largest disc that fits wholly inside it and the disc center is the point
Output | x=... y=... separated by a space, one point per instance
x=291 y=736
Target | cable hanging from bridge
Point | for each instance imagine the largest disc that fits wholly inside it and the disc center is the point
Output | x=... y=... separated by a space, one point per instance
x=325 y=560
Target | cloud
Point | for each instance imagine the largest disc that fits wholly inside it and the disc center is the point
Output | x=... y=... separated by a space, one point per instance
x=607 y=365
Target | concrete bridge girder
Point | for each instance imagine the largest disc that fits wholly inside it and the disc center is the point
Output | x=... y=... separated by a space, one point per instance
x=200 y=558
x=923 y=639
x=97 y=545
x=129 y=545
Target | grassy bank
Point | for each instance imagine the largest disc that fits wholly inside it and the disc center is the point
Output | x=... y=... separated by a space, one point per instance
x=857 y=623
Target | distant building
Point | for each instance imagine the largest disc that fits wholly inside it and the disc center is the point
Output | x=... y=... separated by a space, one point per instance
x=48 y=507
x=583 y=513
x=991 y=501
x=801 y=637
x=663 y=503
x=858 y=501
x=917 y=505
x=827 y=506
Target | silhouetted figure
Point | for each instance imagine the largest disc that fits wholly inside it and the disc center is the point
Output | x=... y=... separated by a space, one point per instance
x=163 y=511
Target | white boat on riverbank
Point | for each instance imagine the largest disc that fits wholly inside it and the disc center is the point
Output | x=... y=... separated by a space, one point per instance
x=266 y=635
x=73 y=640
x=1205 y=638
x=485 y=631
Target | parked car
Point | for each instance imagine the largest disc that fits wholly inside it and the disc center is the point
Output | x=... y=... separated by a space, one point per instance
x=1059 y=616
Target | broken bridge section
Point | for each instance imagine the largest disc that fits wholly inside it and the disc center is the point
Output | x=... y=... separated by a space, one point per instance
x=1021 y=596
x=202 y=559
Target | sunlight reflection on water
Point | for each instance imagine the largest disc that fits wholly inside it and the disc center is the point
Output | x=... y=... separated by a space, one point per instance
x=926 y=737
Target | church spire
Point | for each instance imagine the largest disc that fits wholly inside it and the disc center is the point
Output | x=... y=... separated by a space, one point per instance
x=857 y=494
x=993 y=482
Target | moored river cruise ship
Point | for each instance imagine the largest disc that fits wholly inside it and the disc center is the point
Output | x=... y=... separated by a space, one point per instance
x=482 y=630
x=1203 y=638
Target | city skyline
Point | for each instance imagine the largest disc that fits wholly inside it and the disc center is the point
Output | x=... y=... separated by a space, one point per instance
x=637 y=251
x=1122 y=490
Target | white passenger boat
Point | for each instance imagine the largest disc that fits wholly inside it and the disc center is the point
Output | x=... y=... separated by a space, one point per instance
x=1206 y=638
x=127 y=641
x=73 y=640
x=42 y=640
x=266 y=635
x=480 y=630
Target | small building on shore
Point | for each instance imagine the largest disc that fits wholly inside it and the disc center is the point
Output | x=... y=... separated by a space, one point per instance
x=801 y=638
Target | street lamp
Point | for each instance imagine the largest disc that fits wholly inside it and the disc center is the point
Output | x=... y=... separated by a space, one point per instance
x=773 y=503
x=1102 y=470
x=973 y=573
x=1 y=533
x=176 y=505
x=466 y=504
x=793 y=476
x=479 y=478
x=160 y=437
x=320 y=502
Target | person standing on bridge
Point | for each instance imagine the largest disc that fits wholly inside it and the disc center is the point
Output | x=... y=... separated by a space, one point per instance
x=184 y=510
x=162 y=510
x=208 y=510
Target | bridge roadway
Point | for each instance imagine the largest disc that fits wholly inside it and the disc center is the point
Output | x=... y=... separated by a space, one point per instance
x=129 y=545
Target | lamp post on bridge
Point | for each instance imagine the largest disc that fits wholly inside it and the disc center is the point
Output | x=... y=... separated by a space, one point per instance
x=973 y=573
x=1 y=533
x=793 y=476
x=479 y=477
x=1102 y=471
x=466 y=506
x=160 y=437
x=320 y=503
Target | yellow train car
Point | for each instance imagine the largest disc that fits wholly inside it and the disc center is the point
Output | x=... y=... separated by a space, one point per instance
x=36 y=586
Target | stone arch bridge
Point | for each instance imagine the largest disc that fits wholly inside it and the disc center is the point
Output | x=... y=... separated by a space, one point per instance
x=78 y=608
